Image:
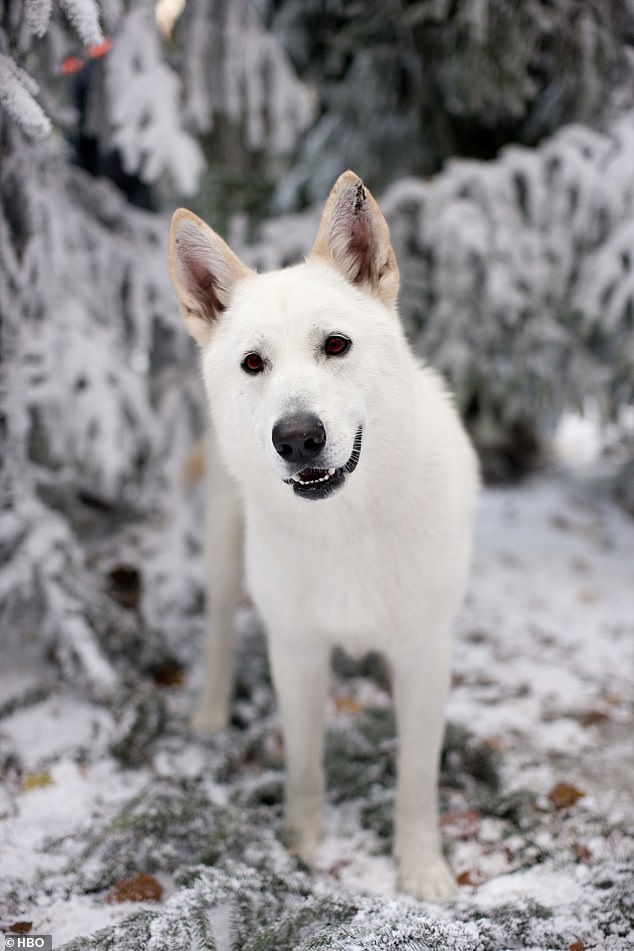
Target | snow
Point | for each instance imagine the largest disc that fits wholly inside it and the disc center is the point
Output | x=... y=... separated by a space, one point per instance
x=37 y=14
x=144 y=94
x=517 y=281
x=237 y=69
x=70 y=722
x=84 y=16
x=543 y=669
x=17 y=89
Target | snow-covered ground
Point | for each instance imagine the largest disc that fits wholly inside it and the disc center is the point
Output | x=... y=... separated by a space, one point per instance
x=542 y=697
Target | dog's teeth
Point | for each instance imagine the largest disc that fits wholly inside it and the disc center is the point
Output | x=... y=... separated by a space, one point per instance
x=324 y=478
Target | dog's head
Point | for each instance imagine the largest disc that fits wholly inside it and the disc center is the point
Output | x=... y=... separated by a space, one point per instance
x=293 y=360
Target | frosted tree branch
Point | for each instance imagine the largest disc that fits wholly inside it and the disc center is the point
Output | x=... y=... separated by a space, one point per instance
x=84 y=16
x=17 y=91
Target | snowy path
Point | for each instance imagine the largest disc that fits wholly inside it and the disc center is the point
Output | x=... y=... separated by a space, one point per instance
x=543 y=678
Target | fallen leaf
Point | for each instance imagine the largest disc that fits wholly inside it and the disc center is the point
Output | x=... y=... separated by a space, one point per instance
x=471 y=876
x=194 y=467
x=169 y=675
x=476 y=636
x=577 y=945
x=37 y=780
x=561 y=522
x=582 y=853
x=336 y=869
x=348 y=705
x=141 y=887
x=564 y=795
x=124 y=585
x=495 y=742
x=580 y=565
x=461 y=823
x=614 y=699
x=592 y=717
x=20 y=927
x=589 y=595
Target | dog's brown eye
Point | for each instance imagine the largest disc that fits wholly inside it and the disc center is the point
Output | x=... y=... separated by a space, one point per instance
x=336 y=345
x=252 y=363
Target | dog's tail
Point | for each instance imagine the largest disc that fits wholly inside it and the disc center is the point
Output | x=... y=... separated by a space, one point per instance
x=194 y=467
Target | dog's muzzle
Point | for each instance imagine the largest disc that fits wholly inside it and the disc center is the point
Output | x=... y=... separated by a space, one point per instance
x=300 y=439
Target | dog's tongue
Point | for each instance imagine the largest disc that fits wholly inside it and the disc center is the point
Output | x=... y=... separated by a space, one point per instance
x=309 y=475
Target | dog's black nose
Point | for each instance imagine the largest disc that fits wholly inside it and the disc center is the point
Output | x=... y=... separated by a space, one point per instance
x=299 y=438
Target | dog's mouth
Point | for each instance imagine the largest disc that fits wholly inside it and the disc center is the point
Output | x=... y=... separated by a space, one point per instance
x=313 y=483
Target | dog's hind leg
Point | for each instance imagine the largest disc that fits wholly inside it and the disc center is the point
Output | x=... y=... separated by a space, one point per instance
x=224 y=543
x=300 y=669
x=420 y=682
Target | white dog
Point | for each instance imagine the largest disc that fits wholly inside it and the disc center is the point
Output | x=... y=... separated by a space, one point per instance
x=347 y=462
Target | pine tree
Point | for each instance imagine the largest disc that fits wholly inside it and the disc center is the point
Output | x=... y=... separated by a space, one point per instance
x=403 y=85
x=91 y=355
x=244 y=100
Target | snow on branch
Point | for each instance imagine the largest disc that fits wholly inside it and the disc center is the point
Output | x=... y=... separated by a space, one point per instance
x=37 y=14
x=92 y=385
x=17 y=91
x=237 y=69
x=84 y=16
x=145 y=109
x=518 y=273
x=18 y=88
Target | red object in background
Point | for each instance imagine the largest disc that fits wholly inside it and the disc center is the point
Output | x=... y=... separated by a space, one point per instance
x=72 y=64
x=100 y=49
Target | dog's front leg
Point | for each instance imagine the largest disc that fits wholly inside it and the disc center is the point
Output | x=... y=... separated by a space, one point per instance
x=224 y=545
x=300 y=675
x=420 y=680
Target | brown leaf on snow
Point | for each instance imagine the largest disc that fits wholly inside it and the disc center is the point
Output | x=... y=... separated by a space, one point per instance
x=168 y=675
x=580 y=565
x=471 y=876
x=461 y=823
x=582 y=853
x=592 y=717
x=577 y=945
x=20 y=927
x=348 y=705
x=614 y=699
x=564 y=795
x=336 y=869
x=37 y=781
x=495 y=742
x=589 y=595
x=141 y=887
x=124 y=585
x=561 y=522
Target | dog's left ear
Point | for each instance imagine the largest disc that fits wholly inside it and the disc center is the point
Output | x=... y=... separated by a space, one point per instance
x=204 y=271
x=354 y=237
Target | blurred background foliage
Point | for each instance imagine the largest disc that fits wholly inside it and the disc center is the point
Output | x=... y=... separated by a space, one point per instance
x=500 y=139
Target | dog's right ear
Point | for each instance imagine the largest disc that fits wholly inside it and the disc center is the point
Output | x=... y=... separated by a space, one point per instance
x=204 y=271
x=354 y=237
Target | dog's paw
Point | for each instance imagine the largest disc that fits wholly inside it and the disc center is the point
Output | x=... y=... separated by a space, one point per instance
x=429 y=880
x=207 y=720
x=304 y=843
